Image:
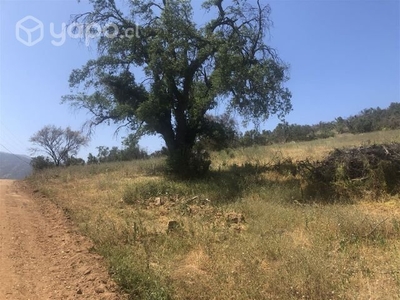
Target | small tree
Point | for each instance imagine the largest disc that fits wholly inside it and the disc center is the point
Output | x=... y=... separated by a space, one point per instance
x=92 y=159
x=60 y=144
x=131 y=149
x=103 y=154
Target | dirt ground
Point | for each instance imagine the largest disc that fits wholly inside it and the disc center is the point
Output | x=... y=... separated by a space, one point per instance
x=41 y=256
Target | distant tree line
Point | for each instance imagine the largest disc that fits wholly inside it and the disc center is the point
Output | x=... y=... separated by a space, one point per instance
x=368 y=120
x=43 y=162
x=220 y=132
x=130 y=150
x=61 y=146
x=372 y=119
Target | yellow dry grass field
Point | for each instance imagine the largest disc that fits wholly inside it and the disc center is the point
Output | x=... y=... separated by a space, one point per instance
x=240 y=233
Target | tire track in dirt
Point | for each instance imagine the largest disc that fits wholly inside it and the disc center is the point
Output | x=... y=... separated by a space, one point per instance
x=41 y=257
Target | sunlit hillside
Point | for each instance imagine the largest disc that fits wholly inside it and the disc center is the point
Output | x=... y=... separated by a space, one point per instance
x=246 y=231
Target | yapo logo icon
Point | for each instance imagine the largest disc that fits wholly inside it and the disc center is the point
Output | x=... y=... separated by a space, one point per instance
x=30 y=31
x=31 y=35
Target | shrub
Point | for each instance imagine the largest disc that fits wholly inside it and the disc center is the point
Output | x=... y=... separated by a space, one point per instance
x=351 y=172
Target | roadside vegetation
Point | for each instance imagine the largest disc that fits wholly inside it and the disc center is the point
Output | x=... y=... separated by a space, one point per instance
x=247 y=230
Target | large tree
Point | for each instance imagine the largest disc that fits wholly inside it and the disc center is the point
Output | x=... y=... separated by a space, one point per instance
x=60 y=144
x=189 y=70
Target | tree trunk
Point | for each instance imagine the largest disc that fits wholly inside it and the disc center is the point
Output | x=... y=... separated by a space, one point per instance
x=184 y=160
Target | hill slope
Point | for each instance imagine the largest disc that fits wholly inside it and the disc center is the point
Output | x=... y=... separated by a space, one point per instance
x=14 y=166
x=251 y=230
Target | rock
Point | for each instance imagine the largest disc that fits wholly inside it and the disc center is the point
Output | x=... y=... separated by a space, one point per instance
x=87 y=272
x=79 y=291
x=158 y=201
x=100 y=289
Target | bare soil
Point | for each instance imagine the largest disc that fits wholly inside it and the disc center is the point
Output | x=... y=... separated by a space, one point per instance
x=41 y=255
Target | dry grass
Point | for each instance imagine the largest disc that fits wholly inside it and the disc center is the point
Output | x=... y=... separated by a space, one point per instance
x=239 y=234
x=316 y=149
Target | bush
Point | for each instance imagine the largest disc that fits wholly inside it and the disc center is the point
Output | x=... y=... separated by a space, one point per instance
x=41 y=163
x=352 y=172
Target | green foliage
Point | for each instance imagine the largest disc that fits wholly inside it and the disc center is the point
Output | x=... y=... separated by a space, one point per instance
x=141 y=282
x=130 y=151
x=41 y=162
x=366 y=121
x=189 y=70
x=375 y=119
x=92 y=159
x=73 y=161
x=160 y=153
x=220 y=132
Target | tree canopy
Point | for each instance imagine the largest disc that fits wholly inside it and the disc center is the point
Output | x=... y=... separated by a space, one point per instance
x=189 y=70
x=59 y=144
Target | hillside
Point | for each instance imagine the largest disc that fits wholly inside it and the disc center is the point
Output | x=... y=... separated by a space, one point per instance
x=248 y=231
x=14 y=166
x=368 y=120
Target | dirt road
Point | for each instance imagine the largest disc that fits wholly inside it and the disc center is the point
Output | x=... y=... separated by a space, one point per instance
x=41 y=257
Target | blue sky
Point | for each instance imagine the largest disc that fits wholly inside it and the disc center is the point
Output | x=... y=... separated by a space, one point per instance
x=344 y=56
